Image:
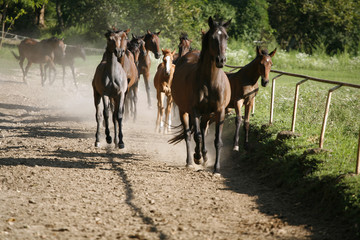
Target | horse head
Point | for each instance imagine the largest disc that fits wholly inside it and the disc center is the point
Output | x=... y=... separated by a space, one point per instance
x=184 y=45
x=265 y=64
x=55 y=45
x=168 y=58
x=152 y=43
x=116 y=42
x=137 y=47
x=216 y=41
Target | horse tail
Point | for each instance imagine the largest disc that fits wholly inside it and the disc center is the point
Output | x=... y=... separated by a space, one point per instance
x=180 y=135
x=16 y=56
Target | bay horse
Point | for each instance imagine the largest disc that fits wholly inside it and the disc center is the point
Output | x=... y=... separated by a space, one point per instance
x=184 y=47
x=71 y=53
x=200 y=88
x=244 y=87
x=42 y=52
x=152 y=43
x=162 y=82
x=110 y=84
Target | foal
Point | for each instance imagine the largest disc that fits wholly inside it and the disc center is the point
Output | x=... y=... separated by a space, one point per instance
x=162 y=82
x=244 y=87
x=110 y=84
x=184 y=47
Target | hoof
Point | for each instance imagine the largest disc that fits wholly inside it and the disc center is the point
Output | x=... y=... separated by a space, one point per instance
x=197 y=158
x=216 y=174
x=236 y=148
x=190 y=166
x=121 y=145
x=108 y=140
x=97 y=144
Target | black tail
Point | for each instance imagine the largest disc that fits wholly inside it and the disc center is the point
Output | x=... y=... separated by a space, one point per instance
x=16 y=56
x=180 y=135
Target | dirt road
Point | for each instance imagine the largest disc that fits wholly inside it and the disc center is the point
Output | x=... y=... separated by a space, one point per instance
x=54 y=184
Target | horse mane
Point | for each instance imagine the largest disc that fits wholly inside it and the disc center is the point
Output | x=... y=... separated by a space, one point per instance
x=204 y=44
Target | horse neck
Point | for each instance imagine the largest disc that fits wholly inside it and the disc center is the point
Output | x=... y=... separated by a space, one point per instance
x=251 y=71
x=207 y=68
x=111 y=63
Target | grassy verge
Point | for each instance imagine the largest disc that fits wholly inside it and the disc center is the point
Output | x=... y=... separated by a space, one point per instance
x=325 y=179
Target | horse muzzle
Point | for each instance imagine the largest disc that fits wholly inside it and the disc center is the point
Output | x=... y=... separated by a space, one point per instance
x=264 y=82
x=157 y=55
x=220 y=61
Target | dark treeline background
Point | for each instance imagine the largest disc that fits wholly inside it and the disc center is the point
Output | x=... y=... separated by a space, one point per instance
x=302 y=25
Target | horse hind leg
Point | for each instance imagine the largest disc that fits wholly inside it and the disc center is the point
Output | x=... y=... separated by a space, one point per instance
x=28 y=65
x=106 y=110
x=168 y=114
x=198 y=140
x=238 y=106
x=160 y=112
x=147 y=87
x=203 y=128
x=247 y=124
x=97 y=100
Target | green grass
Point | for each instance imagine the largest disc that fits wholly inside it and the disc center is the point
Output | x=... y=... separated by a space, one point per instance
x=325 y=180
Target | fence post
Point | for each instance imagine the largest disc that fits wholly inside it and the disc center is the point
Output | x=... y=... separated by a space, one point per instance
x=296 y=103
x=321 y=142
x=272 y=98
x=358 y=158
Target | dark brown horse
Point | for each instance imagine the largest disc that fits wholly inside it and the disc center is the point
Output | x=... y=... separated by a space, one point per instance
x=152 y=43
x=110 y=84
x=129 y=65
x=42 y=52
x=184 y=47
x=244 y=87
x=200 y=88
x=162 y=82
x=71 y=53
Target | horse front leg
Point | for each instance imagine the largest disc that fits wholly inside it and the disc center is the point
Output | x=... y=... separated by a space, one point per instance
x=134 y=99
x=43 y=73
x=184 y=118
x=160 y=104
x=220 y=118
x=197 y=138
x=97 y=100
x=147 y=87
x=168 y=113
x=73 y=74
x=21 y=63
x=106 y=110
x=238 y=106
x=203 y=127
x=247 y=124
x=118 y=116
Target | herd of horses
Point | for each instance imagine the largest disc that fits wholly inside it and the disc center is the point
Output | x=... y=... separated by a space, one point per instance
x=192 y=80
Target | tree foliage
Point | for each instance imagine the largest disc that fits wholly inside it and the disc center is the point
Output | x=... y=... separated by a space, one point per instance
x=296 y=24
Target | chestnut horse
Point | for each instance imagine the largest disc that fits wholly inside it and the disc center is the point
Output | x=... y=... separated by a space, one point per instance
x=244 y=87
x=200 y=88
x=42 y=52
x=152 y=43
x=184 y=47
x=162 y=82
x=110 y=84
x=71 y=53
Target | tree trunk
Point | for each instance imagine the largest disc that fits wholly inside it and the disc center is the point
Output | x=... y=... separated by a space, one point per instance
x=3 y=17
x=59 y=16
x=42 y=17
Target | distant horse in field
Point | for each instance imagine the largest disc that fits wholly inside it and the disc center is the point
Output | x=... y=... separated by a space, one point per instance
x=71 y=53
x=162 y=82
x=110 y=84
x=42 y=52
x=200 y=88
x=184 y=47
x=152 y=43
x=244 y=87
x=137 y=47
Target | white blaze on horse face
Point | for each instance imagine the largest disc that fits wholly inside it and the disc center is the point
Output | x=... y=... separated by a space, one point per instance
x=219 y=32
x=168 y=64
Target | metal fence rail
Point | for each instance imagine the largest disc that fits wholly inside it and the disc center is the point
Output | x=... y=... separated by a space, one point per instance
x=297 y=89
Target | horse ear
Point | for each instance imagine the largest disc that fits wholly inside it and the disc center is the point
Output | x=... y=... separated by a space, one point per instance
x=148 y=31
x=158 y=33
x=225 y=25
x=258 y=51
x=273 y=53
x=173 y=52
x=127 y=30
x=133 y=35
x=210 y=22
x=163 y=51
